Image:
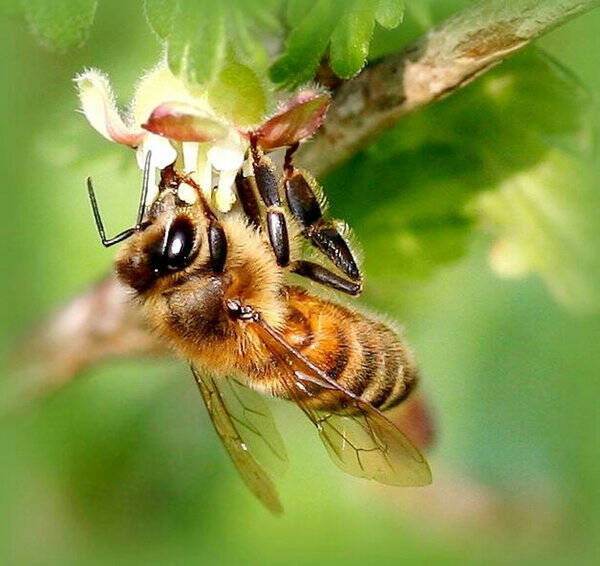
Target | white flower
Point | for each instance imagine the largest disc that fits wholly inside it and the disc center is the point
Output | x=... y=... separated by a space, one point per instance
x=162 y=103
x=179 y=126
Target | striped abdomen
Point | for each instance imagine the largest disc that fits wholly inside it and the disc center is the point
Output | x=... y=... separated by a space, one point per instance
x=363 y=355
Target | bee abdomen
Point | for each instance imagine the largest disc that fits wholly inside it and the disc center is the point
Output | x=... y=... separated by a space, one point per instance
x=387 y=372
x=364 y=356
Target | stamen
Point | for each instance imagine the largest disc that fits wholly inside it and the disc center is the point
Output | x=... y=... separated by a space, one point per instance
x=187 y=193
x=190 y=156
x=225 y=196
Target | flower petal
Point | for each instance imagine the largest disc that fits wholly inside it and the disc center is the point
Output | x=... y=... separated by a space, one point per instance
x=100 y=109
x=297 y=120
x=160 y=85
x=184 y=122
x=163 y=153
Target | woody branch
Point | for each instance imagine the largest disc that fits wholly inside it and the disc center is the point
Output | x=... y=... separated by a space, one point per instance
x=441 y=62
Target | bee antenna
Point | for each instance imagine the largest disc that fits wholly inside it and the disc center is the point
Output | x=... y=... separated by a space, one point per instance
x=107 y=242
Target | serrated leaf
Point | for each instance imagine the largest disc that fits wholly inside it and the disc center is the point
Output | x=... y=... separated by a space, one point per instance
x=389 y=13
x=351 y=38
x=197 y=50
x=265 y=13
x=345 y=27
x=306 y=43
x=245 y=42
x=160 y=15
x=296 y=10
x=60 y=24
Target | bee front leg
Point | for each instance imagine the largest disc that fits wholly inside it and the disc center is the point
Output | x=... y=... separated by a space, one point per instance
x=217 y=245
x=217 y=241
x=248 y=200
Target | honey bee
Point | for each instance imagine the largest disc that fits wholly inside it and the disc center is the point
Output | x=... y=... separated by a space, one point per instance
x=215 y=287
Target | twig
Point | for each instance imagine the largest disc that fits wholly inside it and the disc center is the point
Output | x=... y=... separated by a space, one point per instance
x=440 y=63
x=99 y=324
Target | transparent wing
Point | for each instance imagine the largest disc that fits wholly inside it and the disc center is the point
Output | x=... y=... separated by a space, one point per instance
x=368 y=445
x=359 y=439
x=246 y=427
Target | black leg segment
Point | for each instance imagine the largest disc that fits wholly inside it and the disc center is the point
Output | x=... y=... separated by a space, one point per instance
x=268 y=188
x=305 y=208
x=278 y=235
x=266 y=179
x=248 y=199
x=302 y=201
x=325 y=277
x=326 y=237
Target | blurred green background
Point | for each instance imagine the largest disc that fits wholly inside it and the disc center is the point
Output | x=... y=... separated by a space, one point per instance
x=123 y=467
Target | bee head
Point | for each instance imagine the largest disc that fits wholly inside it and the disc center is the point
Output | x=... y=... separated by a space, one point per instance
x=166 y=238
x=167 y=243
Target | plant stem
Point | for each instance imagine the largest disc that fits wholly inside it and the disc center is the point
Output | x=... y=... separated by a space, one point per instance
x=443 y=61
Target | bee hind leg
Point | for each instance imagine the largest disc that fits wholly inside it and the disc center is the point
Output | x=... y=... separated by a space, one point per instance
x=320 y=274
x=304 y=207
x=322 y=233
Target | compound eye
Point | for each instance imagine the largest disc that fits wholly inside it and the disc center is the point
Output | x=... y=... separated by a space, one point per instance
x=179 y=244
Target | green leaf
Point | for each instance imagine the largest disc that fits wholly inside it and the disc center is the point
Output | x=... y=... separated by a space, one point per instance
x=389 y=13
x=160 y=15
x=196 y=50
x=345 y=27
x=200 y=33
x=351 y=38
x=296 y=10
x=60 y=24
x=263 y=13
x=245 y=42
x=306 y=43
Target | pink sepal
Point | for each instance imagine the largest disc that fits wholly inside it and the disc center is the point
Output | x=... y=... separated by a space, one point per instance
x=185 y=123
x=296 y=120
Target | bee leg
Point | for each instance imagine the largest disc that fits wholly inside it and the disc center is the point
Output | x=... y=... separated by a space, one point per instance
x=217 y=241
x=319 y=274
x=247 y=196
x=322 y=233
x=268 y=188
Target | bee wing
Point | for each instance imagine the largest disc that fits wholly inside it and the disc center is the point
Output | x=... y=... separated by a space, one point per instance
x=359 y=439
x=246 y=427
